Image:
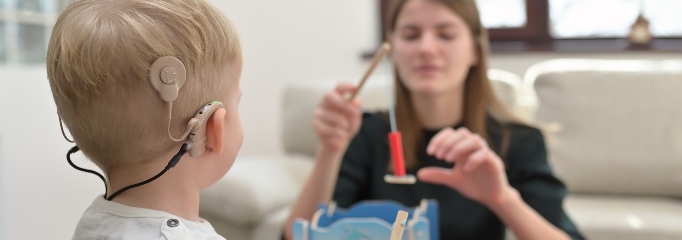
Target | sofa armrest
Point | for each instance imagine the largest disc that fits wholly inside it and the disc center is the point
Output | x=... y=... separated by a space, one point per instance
x=254 y=187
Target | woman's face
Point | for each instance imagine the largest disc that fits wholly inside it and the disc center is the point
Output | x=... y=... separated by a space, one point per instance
x=433 y=48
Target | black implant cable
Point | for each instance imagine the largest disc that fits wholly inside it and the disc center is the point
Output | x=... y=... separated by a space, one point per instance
x=75 y=149
x=170 y=165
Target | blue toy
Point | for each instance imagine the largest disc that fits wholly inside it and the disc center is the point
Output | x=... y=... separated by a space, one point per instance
x=370 y=220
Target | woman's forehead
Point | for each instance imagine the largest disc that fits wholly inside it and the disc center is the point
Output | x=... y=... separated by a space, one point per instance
x=426 y=13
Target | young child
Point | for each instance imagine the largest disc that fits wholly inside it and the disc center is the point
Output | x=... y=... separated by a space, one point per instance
x=138 y=83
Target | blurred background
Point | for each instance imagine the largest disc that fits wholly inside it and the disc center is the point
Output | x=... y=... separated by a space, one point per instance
x=285 y=43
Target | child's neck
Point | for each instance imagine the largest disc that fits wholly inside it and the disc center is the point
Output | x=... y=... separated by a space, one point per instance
x=175 y=192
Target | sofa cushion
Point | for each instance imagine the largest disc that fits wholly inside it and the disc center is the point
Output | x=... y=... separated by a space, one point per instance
x=254 y=188
x=272 y=226
x=626 y=217
x=300 y=101
x=507 y=88
x=620 y=124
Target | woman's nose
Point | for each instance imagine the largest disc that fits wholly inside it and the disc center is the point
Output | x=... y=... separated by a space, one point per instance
x=427 y=45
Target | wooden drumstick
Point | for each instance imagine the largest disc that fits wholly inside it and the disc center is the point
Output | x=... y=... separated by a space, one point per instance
x=385 y=47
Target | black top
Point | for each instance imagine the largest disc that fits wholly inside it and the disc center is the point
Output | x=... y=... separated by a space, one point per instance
x=361 y=177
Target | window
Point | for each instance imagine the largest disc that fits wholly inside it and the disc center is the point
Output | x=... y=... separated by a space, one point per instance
x=577 y=25
x=587 y=18
x=25 y=27
x=503 y=13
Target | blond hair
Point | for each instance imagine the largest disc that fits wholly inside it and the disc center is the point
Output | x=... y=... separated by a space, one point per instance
x=98 y=60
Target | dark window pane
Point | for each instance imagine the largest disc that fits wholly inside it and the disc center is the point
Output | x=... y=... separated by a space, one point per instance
x=31 y=43
x=63 y=4
x=3 y=43
x=32 y=5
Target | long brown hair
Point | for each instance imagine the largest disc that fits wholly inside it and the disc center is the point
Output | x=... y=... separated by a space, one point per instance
x=479 y=98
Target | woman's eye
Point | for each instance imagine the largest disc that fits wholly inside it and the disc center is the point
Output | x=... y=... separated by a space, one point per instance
x=447 y=36
x=410 y=36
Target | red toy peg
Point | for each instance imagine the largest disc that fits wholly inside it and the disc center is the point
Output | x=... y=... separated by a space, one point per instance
x=395 y=142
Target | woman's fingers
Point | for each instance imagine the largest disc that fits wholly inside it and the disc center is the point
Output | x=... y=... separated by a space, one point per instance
x=445 y=140
x=464 y=147
x=438 y=140
x=332 y=118
x=476 y=159
x=460 y=146
x=337 y=119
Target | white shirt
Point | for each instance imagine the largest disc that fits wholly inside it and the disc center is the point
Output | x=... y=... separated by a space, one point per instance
x=110 y=220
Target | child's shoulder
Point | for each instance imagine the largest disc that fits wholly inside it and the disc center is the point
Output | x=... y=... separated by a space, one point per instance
x=109 y=220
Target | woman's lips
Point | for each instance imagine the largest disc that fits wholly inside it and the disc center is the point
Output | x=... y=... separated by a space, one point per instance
x=427 y=70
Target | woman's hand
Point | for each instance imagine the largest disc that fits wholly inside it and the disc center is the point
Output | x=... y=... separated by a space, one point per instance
x=478 y=173
x=336 y=119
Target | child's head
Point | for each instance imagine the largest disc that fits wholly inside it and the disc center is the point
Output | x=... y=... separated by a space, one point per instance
x=98 y=65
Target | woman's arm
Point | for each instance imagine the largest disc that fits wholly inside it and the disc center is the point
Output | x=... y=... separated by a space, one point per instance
x=318 y=188
x=336 y=121
x=479 y=174
x=531 y=175
x=523 y=220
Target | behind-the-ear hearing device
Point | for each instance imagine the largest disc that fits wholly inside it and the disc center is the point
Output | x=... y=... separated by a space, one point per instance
x=197 y=136
x=167 y=75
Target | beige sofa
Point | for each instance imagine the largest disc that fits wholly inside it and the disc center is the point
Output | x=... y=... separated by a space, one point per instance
x=617 y=145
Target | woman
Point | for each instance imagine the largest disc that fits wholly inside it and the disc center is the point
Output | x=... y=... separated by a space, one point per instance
x=486 y=169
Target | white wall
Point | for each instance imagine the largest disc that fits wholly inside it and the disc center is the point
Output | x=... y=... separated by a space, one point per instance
x=291 y=41
x=42 y=196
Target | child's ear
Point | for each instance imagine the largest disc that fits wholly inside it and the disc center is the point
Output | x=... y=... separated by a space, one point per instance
x=214 y=131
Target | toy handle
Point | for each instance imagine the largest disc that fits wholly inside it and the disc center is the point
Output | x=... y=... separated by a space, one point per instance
x=395 y=142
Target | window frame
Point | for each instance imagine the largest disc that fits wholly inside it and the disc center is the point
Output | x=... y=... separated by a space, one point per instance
x=12 y=18
x=536 y=37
